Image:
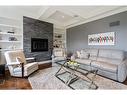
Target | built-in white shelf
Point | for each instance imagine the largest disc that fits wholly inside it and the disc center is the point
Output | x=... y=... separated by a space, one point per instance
x=10 y=41
x=9 y=34
x=11 y=26
x=1 y=50
x=59 y=39
x=5 y=49
x=6 y=41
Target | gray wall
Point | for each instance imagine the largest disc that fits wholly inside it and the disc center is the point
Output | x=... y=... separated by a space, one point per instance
x=33 y=28
x=77 y=37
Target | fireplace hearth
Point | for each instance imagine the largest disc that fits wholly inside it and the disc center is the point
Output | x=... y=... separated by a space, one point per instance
x=39 y=45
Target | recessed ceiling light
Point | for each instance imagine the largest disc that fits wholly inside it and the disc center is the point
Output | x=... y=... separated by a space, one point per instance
x=63 y=16
x=75 y=15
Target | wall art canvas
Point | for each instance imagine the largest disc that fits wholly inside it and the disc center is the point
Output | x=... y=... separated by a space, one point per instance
x=102 y=39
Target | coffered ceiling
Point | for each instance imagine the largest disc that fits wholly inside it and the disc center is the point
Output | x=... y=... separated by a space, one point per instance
x=61 y=16
x=69 y=16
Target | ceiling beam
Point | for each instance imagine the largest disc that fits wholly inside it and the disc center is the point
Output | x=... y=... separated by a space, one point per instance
x=42 y=11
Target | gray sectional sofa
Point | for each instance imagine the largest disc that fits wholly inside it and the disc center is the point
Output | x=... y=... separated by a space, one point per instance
x=110 y=63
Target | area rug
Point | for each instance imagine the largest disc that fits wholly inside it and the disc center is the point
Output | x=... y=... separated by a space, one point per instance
x=45 y=79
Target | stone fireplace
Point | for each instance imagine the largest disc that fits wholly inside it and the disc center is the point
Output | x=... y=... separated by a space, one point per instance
x=37 y=39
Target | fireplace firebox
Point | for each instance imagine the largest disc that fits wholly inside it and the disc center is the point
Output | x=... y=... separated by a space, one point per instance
x=38 y=44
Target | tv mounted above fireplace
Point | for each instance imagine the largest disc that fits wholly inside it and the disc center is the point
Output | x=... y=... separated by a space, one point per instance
x=38 y=44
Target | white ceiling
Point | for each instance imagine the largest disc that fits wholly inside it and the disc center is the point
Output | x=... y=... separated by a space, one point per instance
x=17 y=12
x=61 y=16
x=74 y=15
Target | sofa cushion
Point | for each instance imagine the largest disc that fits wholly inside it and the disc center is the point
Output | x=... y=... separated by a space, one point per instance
x=93 y=57
x=109 y=53
x=11 y=56
x=92 y=52
x=84 y=54
x=83 y=61
x=31 y=65
x=109 y=60
x=104 y=66
x=26 y=67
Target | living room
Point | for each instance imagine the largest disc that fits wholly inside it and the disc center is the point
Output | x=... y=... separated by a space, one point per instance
x=63 y=47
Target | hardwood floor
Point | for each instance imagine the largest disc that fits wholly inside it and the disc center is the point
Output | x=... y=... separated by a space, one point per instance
x=19 y=83
x=125 y=82
x=15 y=83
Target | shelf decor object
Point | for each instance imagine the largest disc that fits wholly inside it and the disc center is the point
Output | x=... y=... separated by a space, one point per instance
x=12 y=39
x=58 y=40
x=11 y=32
x=102 y=39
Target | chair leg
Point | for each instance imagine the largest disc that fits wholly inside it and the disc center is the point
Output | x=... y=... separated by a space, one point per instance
x=22 y=64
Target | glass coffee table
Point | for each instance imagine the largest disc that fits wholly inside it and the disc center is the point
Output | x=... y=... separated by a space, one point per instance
x=74 y=72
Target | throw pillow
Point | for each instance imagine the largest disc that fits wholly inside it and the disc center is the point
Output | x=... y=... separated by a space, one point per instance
x=78 y=54
x=74 y=56
x=18 y=59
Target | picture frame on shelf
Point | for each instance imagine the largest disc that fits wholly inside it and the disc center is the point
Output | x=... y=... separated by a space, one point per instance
x=11 y=32
x=13 y=39
x=58 y=35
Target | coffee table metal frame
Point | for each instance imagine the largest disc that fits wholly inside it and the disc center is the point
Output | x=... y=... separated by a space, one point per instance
x=74 y=76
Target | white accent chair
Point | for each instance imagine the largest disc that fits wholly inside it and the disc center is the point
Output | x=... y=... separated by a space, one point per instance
x=17 y=65
x=58 y=55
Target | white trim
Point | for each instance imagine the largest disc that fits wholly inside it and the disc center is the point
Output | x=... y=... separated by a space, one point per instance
x=42 y=11
x=58 y=26
x=109 y=13
x=43 y=62
x=12 y=26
